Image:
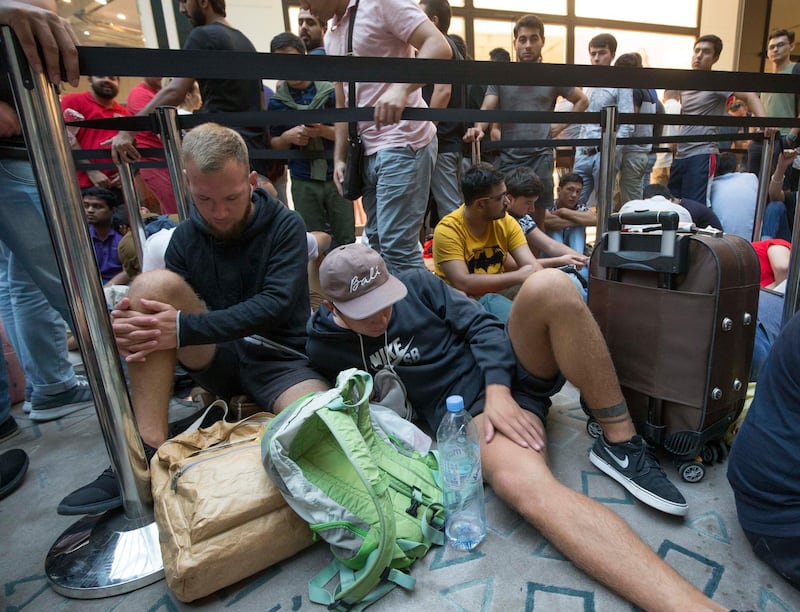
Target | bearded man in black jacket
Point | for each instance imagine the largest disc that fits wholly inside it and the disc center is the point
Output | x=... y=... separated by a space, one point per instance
x=231 y=305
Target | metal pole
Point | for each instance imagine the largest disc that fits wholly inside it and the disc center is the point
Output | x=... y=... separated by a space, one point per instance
x=171 y=139
x=84 y=562
x=764 y=173
x=608 y=150
x=132 y=205
x=790 y=297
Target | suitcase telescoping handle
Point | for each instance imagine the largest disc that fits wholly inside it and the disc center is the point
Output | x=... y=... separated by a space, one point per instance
x=667 y=219
x=644 y=250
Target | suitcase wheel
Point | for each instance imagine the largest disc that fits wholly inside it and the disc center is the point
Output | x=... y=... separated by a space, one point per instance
x=692 y=471
x=709 y=454
x=593 y=428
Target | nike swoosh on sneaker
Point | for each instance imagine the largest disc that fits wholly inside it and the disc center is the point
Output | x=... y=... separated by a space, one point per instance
x=620 y=462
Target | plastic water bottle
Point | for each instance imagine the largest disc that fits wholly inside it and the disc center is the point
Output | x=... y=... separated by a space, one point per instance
x=460 y=462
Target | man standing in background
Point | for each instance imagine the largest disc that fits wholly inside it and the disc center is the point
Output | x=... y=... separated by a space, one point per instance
x=211 y=31
x=695 y=163
x=528 y=43
x=399 y=155
x=446 y=179
x=312 y=32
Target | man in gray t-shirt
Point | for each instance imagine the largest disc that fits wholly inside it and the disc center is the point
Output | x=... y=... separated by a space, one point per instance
x=528 y=43
x=694 y=163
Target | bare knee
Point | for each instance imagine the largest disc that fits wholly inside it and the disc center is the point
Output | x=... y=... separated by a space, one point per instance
x=160 y=285
x=528 y=493
x=547 y=287
x=547 y=293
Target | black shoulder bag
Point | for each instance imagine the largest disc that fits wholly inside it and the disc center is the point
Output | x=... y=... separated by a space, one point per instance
x=353 y=183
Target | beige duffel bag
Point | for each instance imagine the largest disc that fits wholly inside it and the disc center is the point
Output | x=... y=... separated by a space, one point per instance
x=220 y=518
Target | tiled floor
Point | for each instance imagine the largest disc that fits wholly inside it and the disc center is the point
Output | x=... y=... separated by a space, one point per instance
x=513 y=569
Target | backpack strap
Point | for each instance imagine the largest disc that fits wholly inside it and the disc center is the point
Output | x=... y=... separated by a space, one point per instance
x=360 y=585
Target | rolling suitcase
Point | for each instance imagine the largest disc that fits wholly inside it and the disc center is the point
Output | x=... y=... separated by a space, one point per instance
x=678 y=312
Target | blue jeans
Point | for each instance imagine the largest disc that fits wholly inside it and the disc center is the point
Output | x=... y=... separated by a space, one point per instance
x=588 y=168
x=446 y=183
x=691 y=177
x=574 y=238
x=34 y=328
x=396 y=186
x=5 y=398
x=776 y=222
x=24 y=232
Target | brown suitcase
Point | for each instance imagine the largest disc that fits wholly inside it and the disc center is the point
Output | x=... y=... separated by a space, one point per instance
x=678 y=312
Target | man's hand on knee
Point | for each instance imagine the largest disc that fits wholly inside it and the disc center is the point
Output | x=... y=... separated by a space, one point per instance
x=140 y=333
x=504 y=415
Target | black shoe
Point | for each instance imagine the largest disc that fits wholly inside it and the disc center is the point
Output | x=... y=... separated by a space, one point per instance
x=13 y=465
x=206 y=417
x=99 y=496
x=633 y=465
x=8 y=428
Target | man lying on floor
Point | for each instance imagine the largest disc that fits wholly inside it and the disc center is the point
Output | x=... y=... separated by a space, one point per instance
x=440 y=342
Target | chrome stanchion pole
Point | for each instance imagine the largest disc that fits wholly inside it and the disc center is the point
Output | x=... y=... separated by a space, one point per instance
x=764 y=173
x=790 y=297
x=135 y=222
x=171 y=139
x=114 y=552
x=608 y=150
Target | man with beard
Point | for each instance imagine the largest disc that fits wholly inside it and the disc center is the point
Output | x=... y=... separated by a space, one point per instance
x=312 y=31
x=97 y=103
x=211 y=32
x=528 y=43
x=231 y=305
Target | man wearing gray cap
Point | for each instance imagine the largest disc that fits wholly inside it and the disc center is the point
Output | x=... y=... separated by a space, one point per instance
x=440 y=342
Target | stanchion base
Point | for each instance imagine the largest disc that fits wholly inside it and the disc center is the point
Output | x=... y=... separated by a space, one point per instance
x=104 y=555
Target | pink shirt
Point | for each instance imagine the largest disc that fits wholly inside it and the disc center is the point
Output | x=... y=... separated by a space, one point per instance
x=382 y=29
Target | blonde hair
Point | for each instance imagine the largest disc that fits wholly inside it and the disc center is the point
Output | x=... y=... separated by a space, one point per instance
x=210 y=146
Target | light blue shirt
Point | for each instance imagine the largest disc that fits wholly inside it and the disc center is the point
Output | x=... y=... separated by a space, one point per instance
x=733 y=199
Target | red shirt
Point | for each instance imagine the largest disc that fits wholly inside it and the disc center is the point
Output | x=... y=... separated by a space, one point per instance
x=761 y=247
x=138 y=98
x=86 y=104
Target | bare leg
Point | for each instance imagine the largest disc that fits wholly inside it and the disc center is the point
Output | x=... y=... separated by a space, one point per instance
x=590 y=535
x=297 y=391
x=779 y=262
x=552 y=330
x=151 y=380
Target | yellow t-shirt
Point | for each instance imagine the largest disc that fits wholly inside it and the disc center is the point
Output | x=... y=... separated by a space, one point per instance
x=486 y=254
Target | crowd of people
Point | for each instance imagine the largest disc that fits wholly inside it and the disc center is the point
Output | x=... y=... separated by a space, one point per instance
x=496 y=320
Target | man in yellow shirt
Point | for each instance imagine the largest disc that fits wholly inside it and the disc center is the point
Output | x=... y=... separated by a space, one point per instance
x=478 y=248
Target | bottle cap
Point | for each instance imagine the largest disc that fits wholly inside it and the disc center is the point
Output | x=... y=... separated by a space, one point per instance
x=455 y=403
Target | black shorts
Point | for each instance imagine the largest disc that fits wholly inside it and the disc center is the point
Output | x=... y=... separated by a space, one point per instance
x=235 y=370
x=531 y=393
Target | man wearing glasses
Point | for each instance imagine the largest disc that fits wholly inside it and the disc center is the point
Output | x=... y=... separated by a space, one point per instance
x=478 y=248
x=780 y=47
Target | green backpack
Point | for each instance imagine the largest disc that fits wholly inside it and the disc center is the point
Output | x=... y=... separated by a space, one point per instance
x=361 y=479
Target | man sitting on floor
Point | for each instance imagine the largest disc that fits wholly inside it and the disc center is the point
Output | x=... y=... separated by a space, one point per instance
x=762 y=467
x=440 y=342
x=231 y=305
x=478 y=248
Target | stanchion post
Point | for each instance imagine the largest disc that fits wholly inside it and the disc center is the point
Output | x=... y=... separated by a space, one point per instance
x=764 y=174
x=792 y=294
x=609 y=117
x=110 y=553
x=171 y=139
x=132 y=205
